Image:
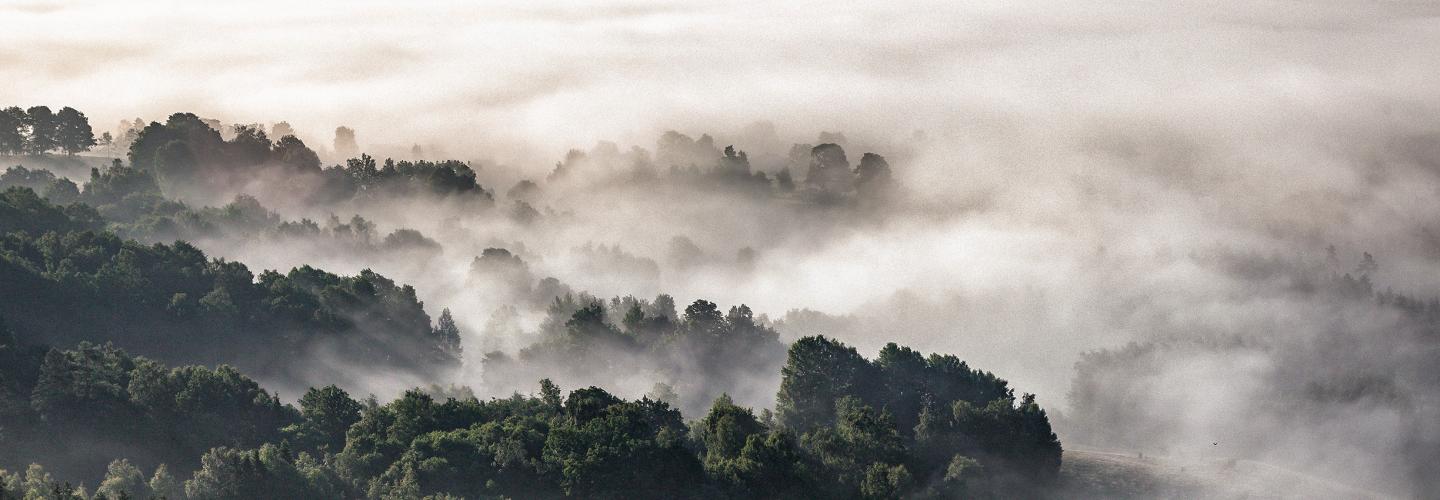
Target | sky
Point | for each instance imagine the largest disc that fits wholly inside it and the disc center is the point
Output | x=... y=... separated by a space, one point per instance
x=504 y=79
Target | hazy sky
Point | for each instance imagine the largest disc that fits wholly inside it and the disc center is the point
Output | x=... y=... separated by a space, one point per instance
x=468 y=73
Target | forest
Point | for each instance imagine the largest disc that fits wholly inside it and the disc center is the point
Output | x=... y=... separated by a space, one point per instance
x=653 y=248
x=131 y=361
x=195 y=310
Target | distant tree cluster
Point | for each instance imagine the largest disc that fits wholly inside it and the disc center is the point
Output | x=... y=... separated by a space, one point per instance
x=362 y=177
x=132 y=205
x=237 y=441
x=682 y=160
x=186 y=152
x=38 y=130
x=703 y=351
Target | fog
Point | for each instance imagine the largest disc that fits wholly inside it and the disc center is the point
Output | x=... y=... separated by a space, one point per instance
x=1071 y=177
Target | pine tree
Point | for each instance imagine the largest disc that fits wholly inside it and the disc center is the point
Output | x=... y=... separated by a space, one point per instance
x=448 y=332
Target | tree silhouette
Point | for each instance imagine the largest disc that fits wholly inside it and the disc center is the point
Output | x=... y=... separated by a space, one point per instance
x=12 y=130
x=43 y=130
x=73 y=133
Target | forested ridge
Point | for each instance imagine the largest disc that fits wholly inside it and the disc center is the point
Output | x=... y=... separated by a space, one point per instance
x=65 y=282
x=214 y=433
x=125 y=366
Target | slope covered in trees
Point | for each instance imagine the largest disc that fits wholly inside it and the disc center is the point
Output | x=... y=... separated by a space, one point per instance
x=215 y=434
x=64 y=283
x=89 y=274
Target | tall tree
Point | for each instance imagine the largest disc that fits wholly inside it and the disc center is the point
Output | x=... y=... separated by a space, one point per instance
x=448 y=332
x=293 y=153
x=43 y=130
x=328 y=412
x=281 y=129
x=12 y=130
x=72 y=131
x=345 y=145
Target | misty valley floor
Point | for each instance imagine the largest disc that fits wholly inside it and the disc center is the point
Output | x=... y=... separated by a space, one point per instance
x=1090 y=473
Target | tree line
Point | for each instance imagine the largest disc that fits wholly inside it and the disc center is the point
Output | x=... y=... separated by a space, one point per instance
x=66 y=280
x=38 y=130
x=923 y=428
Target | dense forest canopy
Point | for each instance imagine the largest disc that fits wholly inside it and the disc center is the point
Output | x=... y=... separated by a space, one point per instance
x=952 y=431
x=67 y=281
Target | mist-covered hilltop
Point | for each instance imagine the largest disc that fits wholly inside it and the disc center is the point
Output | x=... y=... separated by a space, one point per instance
x=83 y=290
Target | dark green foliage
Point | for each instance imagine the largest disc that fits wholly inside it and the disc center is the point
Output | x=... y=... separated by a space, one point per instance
x=24 y=177
x=865 y=419
x=12 y=130
x=43 y=128
x=328 y=412
x=267 y=472
x=627 y=449
x=362 y=177
x=122 y=193
x=725 y=431
x=66 y=284
x=818 y=373
x=58 y=190
x=97 y=401
x=746 y=459
x=38 y=131
x=591 y=445
x=24 y=211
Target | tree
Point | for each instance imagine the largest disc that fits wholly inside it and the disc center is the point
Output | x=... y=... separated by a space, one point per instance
x=44 y=132
x=291 y=152
x=73 y=133
x=345 y=145
x=829 y=169
x=724 y=433
x=872 y=176
x=164 y=485
x=882 y=481
x=249 y=148
x=328 y=412
x=550 y=394
x=12 y=130
x=448 y=332
x=62 y=191
x=704 y=317
x=783 y=181
x=281 y=130
x=122 y=478
x=227 y=473
x=818 y=372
